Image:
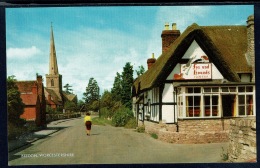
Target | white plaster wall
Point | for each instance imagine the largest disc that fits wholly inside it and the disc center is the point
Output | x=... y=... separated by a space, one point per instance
x=167 y=93
x=167 y=114
x=195 y=50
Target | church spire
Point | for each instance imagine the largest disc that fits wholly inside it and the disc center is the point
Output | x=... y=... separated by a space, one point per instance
x=53 y=67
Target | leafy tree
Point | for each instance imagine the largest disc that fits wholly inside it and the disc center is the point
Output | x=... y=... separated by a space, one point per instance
x=81 y=105
x=92 y=93
x=140 y=71
x=15 y=104
x=70 y=106
x=127 y=82
x=116 y=91
x=107 y=100
x=68 y=88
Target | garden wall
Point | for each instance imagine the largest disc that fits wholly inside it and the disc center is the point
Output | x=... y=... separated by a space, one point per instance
x=242 y=143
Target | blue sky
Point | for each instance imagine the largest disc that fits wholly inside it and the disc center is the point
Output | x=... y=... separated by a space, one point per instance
x=97 y=41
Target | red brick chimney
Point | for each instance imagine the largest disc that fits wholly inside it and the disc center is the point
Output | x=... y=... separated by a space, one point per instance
x=169 y=36
x=40 y=87
x=151 y=61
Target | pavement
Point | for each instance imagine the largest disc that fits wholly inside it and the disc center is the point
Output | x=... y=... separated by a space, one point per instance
x=29 y=138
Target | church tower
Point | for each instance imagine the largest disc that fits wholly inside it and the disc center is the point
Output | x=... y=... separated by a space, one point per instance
x=54 y=79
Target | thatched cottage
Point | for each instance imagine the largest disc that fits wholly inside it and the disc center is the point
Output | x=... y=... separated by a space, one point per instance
x=204 y=77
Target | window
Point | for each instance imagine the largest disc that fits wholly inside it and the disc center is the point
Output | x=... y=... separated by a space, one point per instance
x=52 y=82
x=245 y=105
x=193 y=106
x=226 y=101
x=211 y=105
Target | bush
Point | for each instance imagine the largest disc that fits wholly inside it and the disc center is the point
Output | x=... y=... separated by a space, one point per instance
x=14 y=131
x=122 y=116
x=141 y=129
x=106 y=113
x=131 y=123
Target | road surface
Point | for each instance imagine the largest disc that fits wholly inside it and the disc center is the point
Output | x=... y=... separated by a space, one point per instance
x=109 y=145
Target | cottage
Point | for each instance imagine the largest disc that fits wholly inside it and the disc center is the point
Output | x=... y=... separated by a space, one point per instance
x=203 y=78
x=33 y=97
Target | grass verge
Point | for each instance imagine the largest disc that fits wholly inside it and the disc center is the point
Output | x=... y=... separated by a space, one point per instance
x=101 y=121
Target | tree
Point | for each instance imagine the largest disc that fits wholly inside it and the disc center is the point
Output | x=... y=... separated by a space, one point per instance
x=127 y=82
x=140 y=71
x=116 y=91
x=68 y=90
x=70 y=106
x=15 y=104
x=92 y=93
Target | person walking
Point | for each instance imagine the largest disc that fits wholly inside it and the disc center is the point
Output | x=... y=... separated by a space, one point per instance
x=88 y=123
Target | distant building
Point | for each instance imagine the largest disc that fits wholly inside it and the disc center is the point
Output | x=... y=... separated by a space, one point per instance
x=55 y=97
x=204 y=77
x=33 y=97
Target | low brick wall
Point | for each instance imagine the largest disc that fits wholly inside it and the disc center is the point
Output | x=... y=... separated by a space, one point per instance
x=197 y=131
x=242 y=143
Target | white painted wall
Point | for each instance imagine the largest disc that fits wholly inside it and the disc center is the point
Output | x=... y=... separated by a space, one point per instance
x=196 y=51
x=167 y=93
x=167 y=114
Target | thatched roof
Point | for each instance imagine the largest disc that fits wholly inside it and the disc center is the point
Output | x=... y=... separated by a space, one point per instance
x=225 y=46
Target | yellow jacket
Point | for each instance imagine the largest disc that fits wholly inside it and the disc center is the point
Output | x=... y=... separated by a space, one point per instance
x=87 y=118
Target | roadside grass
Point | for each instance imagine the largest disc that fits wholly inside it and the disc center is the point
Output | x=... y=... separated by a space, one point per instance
x=154 y=135
x=101 y=121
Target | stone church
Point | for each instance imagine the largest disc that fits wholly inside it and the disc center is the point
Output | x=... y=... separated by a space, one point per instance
x=55 y=97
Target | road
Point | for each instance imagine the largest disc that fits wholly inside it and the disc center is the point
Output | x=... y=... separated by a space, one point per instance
x=109 y=145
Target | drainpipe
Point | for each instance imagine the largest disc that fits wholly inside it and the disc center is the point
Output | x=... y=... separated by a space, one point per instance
x=175 y=104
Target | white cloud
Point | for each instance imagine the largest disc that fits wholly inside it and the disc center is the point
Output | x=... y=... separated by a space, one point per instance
x=21 y=53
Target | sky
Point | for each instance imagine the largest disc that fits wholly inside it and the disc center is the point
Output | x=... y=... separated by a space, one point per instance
x=97 y=41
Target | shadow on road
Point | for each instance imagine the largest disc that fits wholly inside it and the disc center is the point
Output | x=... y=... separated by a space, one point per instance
x=25 y=141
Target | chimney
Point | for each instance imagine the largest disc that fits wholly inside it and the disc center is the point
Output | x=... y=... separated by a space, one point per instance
x=40 y=87
x=169 y=36
x=251 y=44
x=34 y=88
x=151 y=61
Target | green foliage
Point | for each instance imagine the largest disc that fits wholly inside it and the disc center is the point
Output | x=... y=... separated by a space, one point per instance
x=14 y=131
x=154 y=135
x=141 y=129
x=117 y=88
x=70 y=106
x=224 y=155
x=140 y=71
x=94 y=105
x=67 y=88
x=107 y=100
x=91 y=94
x=100 y=121
x=81 y=105
x=15 y=106
x=131 y=123
x=121 y=117
x=105 y=113
x=127 y=82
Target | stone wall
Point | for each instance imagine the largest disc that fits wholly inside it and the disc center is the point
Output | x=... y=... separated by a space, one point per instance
x=191 y=131
x=242 y=143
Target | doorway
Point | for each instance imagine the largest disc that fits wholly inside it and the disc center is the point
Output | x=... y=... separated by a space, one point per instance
x=228 y=104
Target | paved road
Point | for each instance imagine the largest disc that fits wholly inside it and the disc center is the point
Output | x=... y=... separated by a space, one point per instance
x=109 y=145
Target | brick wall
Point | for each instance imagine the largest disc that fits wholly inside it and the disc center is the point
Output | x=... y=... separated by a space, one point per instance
x=242 y=143
x=191 y=131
